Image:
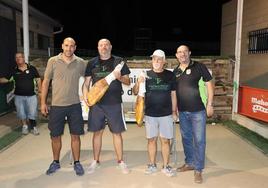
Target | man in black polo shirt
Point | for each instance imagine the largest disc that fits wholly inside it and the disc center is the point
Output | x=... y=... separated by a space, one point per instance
x=26 y=77
x=109 y=108
x=192 y=112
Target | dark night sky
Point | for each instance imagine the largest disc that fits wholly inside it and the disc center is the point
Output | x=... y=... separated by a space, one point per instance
x=191 y=20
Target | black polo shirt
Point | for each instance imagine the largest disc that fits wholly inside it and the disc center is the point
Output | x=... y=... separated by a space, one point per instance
x=25 y=81
x=188 y=96
x=98 y=69
x=158 y=93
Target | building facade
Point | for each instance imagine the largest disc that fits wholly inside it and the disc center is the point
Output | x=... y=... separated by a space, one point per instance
x=253 y=69
x=42 y=29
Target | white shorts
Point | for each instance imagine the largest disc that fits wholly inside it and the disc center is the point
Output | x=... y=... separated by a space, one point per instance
x=159 y=126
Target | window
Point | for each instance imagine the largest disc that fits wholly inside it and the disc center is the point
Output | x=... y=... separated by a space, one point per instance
x=31 y=38
x=258 y=41
x=43 y=42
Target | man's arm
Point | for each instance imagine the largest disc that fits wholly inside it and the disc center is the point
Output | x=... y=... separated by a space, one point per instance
x=210 y=93
x=3 y=80
x=174 y=105
x=39 y=84
x=136 y=88
x=44 y=92
x=85 y=88
x=141 y=79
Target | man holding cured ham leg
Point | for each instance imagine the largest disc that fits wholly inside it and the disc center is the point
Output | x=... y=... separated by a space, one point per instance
x=109 y=72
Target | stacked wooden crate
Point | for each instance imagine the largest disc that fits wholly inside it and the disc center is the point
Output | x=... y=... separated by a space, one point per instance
x=222 y=71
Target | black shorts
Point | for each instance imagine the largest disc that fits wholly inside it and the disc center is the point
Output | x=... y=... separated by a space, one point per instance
x=58 y=115
x=100 y=115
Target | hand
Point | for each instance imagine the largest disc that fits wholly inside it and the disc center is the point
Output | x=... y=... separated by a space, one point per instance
x=210 y=110
x=142 y=77
x=44 y=110
x=117 y=70
x=117 y=74
x=86 y=100
x=174 y=116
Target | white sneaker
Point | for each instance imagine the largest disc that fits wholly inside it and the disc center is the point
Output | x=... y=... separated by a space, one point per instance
x=122 y=165
x=25 y=129
x=151 y=168
x=35 y=131
x=167 y=170
x=93 y=166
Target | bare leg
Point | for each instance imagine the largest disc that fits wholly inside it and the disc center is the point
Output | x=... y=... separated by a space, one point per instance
x=56 y=147
x=97 y=143
x=75 y=144
x=152 y=149
x=165 y=148
x=118 y=145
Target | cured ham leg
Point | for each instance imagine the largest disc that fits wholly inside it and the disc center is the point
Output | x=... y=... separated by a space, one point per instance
x=139 y=108
x=97 y=91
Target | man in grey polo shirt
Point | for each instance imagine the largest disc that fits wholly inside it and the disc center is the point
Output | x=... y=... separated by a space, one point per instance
x=64 y=70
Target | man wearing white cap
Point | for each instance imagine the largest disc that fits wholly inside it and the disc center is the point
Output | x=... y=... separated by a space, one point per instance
x=160 y=110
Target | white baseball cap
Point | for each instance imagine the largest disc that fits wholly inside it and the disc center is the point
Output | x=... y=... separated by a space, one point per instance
x=159 y=53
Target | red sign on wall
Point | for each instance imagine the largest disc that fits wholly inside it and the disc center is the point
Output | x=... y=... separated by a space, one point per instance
x=253 y=102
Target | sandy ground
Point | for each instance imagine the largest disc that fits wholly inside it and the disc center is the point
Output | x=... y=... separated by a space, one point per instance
x=230 y=163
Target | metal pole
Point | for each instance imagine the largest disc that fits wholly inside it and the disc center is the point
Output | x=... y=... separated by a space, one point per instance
x=173 y=149
x=237 y=55
x=25 y=15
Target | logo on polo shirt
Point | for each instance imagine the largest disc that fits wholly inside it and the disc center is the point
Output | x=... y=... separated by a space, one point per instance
x=188 y=71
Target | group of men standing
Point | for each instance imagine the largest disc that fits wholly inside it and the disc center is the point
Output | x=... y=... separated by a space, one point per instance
x=168 y=94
